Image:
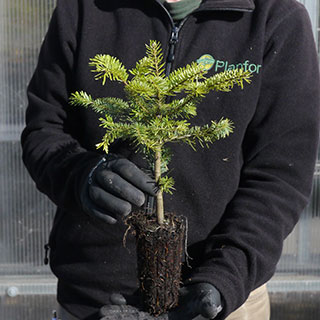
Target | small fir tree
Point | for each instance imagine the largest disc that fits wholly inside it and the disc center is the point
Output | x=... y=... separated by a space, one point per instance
x=148 y=117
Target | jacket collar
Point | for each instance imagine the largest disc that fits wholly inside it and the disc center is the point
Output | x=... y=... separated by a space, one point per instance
x=228 y=5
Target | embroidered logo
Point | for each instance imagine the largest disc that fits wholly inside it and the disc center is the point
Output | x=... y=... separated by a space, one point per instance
x=209 y=62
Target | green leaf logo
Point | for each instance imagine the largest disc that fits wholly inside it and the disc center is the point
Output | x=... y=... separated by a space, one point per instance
x=207 y=61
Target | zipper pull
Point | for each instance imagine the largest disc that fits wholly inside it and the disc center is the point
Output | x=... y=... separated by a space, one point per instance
x=46 y=253
x=172 y=43
x=174 y=35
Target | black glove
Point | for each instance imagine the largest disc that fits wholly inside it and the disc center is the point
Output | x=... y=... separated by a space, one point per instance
x=126 y=312
x=119 y=310
x=197 y=301
x=112 y=187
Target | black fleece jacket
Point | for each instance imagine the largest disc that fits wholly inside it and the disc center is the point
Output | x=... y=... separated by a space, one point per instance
x=242 y=196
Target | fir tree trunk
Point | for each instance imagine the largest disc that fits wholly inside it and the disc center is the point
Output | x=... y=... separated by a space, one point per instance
x=157 y=173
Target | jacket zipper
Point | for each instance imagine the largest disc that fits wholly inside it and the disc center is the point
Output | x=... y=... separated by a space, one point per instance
x=174 y=38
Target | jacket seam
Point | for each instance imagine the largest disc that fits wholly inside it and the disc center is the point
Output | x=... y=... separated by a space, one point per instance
x=280 y=22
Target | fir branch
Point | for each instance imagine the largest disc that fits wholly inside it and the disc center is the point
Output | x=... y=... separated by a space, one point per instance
x=113 y=131
x=160 y=85
x=141 y=87
x=142 y=68
x=115 y=107
x=180 y=131
x=109 y=67
x=225 y=81
x=141 y=109
x=166 y=184
x=139 y=133
x=182 y=108
x=182 y=78
x=165 y=130
x=82 y=99
x=207 y=133
x=149 y=87
x=155 y=56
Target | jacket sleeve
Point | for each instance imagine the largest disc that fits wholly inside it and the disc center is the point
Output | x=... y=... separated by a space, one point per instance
x=279 y=151
x=54 y=158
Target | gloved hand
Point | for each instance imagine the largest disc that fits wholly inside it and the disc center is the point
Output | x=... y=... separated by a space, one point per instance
x=120 y=310
x=112 y=187
x=197 y=301
x=126 y=312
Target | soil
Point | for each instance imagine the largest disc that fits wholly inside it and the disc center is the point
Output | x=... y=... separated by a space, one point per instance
x=160 y=250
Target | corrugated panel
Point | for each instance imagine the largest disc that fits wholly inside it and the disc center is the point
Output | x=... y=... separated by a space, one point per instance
x=29 y=307
x=26 y=214
x=301 y=254
x=313 y=9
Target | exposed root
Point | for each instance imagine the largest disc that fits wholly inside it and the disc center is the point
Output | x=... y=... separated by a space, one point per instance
x=159 y=249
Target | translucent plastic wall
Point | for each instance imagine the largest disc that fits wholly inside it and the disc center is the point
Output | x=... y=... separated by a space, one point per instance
x=27 y=287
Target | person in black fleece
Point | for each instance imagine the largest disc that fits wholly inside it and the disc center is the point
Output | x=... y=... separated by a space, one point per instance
x=242 y=197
